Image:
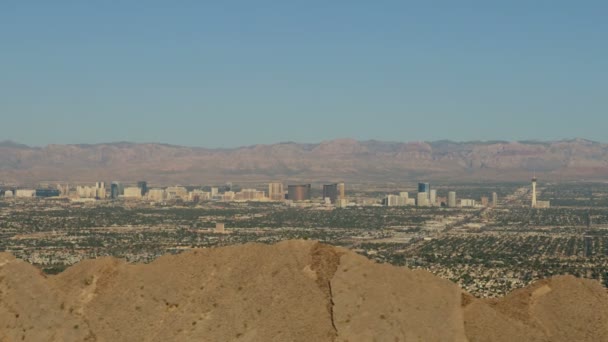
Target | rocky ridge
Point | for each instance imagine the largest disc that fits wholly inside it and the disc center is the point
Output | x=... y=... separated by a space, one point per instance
x=291 y=291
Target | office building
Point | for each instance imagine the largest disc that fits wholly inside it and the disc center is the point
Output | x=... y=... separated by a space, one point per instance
x=494 y=199
x=297 y=193
x=276 y=192
x=452 y=199
x=330 y=191
x=214 y=191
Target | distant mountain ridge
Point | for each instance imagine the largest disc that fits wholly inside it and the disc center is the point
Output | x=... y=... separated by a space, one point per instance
x=342 y=159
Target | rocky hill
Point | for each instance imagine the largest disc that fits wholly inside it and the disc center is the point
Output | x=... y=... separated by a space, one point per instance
x=291 y=291
x=348 y=160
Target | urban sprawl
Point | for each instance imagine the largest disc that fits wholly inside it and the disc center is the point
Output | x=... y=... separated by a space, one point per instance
x=488 y=238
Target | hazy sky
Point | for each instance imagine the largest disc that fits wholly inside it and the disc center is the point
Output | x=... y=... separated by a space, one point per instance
x=232 y=73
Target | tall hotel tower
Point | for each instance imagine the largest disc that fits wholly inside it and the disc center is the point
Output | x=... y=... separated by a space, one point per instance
x=534 y=192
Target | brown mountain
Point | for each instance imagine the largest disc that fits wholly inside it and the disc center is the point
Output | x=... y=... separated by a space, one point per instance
x=349 y=160
x=291 y=291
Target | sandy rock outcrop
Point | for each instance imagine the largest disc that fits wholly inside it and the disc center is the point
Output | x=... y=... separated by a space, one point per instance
x=291 y=291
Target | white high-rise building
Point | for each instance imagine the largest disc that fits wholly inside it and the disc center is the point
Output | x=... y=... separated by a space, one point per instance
x=452 y=199
x=276 y=191
x=132 y=192
x=341 y=191
x=422 y=200
x=156 y=195
x=433 y=197
x=395 y=201
x=534 y=192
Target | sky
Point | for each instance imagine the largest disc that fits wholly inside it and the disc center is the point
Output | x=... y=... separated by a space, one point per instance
x=233 y=73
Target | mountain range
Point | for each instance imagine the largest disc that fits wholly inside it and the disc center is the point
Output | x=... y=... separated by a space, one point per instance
x=290 y=291
x=335 y=160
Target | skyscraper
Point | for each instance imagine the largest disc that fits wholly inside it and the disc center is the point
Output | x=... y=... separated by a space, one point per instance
x=452 y=199
x=424 y=187
x=330 y=191
x=100 y=190
x=276 y=192
x=341 y=191
x=143 y=185
x=494 y=199
x=300 y=192
x=433 y=197
x=422 y=200
x=534 y=192
x=114 y=190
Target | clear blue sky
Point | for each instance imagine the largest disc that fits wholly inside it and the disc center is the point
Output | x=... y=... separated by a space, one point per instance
x=232 y=73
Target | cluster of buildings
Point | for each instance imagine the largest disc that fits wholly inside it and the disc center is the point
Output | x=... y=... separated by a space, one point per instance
x=333 y=194
x=427 y=197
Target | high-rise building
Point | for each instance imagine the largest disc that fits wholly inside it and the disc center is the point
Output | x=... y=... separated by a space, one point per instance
x=422 y=200
x=330 y=191
x=433 y=197
x=341 y=191
x=132 y=192
x=248 y=195
x=143 y=185
x=115 y=190
x=100 y=190
x=485 y=201
x=176 y=192
x=424 y=187
x=156 y=195
x=276 y=192
x=300 y=192
x=394 y=201
x=465 y=202
x=534 y=192
x=452 y=199
x=214 y=191
x=494 y=199
x=25 y=193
